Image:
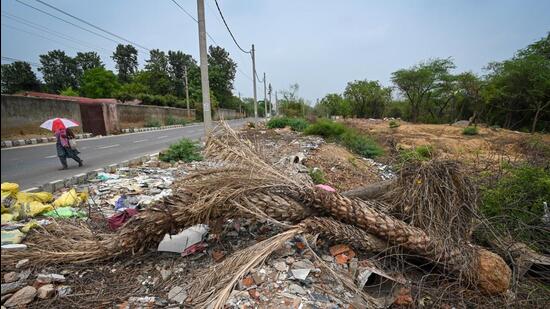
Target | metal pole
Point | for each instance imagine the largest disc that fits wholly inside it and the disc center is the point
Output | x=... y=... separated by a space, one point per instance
x=276 y=105
x=187 y=92
x=254 y=82
x=265 y=99
x=207 y=117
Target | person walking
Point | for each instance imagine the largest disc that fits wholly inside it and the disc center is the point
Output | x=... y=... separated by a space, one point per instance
x=64 y=149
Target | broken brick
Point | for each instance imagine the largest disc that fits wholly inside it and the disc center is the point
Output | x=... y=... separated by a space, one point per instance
x=248 y=281
x=254 y=293
x=404 y=297
x=218 y=256
x=341 y=259
x=339 y=249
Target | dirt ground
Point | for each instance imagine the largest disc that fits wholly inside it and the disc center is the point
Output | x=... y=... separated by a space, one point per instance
x=342 y=169
x=490 y=146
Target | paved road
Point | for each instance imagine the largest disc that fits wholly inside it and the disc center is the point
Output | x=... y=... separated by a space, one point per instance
x=34 y=165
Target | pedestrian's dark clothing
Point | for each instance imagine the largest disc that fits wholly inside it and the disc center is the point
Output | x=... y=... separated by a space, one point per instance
x=64 y=149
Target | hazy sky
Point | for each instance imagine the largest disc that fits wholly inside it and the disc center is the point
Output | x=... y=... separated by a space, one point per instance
x=321 y=45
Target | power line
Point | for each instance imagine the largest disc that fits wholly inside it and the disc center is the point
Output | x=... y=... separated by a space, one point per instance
x=92 y=25
x=229 y=30
x=68 y=22
x=51 y=31
x=193 y=18
x=40 y=36
x=15 y=59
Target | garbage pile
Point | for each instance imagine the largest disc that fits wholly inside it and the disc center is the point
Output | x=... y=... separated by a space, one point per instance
x=274 y=239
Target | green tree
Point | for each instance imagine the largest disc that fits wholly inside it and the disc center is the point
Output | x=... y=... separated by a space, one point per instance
x=179 y=62
x=130 y=91
x=125 y=57
x=69 y=92
x=520 y=90
x=59 y=71
x=290 y=104
x=18 y=76
x=333 y=104
x=419 y=82
x=221 y=73
x=367 y=98
x=99 y=83
x=88 y=60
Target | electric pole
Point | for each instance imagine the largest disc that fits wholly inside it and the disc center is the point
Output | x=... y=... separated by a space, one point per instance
x=187 y=91
x=207 y=116
x=265 y=99
x=254 y=82
x=269 y=90
x=276 y=105
x=240 y=105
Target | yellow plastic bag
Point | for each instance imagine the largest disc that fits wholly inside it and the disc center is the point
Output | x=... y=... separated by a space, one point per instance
x=30 y=209
x=11 y=187
x=43 y=197
x=24 y=197
x=6 y=218
x=30 y=225
x=69 y=198
x=5 y=195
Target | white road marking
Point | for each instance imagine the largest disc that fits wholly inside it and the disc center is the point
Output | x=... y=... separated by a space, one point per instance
x=162 y=136
x=141 y=140
x=110 y=146
x=51 y=157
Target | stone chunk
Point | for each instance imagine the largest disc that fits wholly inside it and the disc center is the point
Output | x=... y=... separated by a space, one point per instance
x=46 y=291
x=21 y=297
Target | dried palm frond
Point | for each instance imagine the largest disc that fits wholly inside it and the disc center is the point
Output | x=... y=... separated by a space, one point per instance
x=436 y=196
x=218 y=281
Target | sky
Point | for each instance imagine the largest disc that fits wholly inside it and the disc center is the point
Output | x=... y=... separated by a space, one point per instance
x=321 y=45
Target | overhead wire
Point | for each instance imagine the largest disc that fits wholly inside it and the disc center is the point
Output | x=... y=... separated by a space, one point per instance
x=193 y=18
x=66 y=21
x=52 y=32
x=92 y=25
x=15 y=59
x=229 y=30
x=40 y=36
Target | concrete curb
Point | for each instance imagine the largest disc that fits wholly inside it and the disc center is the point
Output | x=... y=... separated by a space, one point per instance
x=81 y=178
x=32 y=141
x=136 y=130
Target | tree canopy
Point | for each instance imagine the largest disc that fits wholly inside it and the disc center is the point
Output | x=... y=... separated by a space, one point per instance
x=125 y=57
x=18 y=76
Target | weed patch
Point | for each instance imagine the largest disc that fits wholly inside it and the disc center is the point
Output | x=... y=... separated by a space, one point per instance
x=184 y=150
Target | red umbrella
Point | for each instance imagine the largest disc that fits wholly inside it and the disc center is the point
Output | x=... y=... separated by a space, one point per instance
x=59 y=123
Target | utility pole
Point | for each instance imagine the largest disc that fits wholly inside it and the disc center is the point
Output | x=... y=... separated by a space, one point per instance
x=276 y=105
x=187 y=91
x=254 y=82
x=240 y=105
x=265 y=99
x=269 y=90
x=207 y=116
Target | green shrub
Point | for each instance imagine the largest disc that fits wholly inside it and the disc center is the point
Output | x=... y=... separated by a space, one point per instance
x=420 y=153
x=152 y=123
x=470 y=131
x=326 y=129
x=515 y=204
x=170 y=121
x=317 y=175
x=361 y=144
x=184 y=150
x=297 y=124
x=394 y=124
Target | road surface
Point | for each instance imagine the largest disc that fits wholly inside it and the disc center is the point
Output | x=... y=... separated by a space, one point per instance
x=33 y=165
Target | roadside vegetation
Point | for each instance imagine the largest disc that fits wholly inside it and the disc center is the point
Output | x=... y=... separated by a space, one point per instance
x=185 y=150
x=296 y=124
x=354 y=141
x=514 y=205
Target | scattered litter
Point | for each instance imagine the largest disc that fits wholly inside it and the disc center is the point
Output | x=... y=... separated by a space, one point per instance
x=185 y=239
x=117 y=220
